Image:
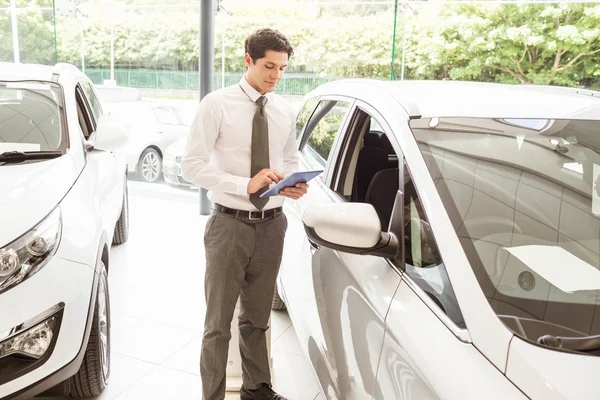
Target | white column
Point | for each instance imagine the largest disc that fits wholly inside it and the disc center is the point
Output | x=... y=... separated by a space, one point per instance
x=112 y=51
x=15 y=32
x=82 y=46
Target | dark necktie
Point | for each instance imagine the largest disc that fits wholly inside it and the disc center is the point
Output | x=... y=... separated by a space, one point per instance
x=260 y=150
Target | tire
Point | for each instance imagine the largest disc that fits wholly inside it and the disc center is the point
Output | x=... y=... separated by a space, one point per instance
x=92 y=377
x=277 y=302
x=122 y=227
x=150 y=166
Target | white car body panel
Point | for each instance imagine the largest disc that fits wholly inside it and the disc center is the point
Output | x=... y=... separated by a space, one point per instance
x=37 y=188
x=553 y=375
x=429 y=363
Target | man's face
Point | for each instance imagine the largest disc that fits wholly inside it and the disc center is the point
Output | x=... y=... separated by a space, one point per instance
x=264 y=74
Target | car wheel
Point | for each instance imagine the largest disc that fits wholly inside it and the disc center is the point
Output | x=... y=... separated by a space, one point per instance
x=150 y=168
x=277 y=302
x=92 y=377
x=122 y=227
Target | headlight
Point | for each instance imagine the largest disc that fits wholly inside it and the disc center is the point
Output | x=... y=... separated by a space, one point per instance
x=28 y=254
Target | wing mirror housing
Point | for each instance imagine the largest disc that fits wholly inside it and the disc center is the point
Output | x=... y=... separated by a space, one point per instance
x=351 y=228
x=108 y=137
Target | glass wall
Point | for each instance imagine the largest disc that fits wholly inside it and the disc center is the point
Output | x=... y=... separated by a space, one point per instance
x=148 y=49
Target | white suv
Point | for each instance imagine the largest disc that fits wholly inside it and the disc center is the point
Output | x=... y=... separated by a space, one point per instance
x=63 y=203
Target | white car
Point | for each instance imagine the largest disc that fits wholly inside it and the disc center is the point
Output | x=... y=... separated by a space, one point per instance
x=451 y=248
x=172 y=164
x=151 y=127
x=63 y=204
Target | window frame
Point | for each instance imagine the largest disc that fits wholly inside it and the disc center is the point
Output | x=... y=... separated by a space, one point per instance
x=90 y=101
x=81 y=101
x=304 y=137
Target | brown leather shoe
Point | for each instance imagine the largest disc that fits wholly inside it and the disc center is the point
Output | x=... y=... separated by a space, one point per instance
x=262 y=393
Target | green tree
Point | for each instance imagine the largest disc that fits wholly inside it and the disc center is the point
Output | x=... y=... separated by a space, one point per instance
x=36 y=34
x=528 y=44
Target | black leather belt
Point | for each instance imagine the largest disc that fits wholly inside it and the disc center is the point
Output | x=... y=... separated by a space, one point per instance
x=252 y=215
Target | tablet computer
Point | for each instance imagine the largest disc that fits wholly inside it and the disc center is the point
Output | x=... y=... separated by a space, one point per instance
x=292 y=180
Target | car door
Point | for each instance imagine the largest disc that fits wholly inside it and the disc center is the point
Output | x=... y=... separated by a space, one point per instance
x=351 y=292
x=109 y=179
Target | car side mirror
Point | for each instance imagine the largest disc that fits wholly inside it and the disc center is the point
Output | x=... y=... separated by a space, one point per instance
x=351 y=228
x=108 y=137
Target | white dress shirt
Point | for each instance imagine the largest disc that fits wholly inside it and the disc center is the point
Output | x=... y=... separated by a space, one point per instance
x=217 y=154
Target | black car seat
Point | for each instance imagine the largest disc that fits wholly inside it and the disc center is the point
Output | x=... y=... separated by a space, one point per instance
x=370 y=161
x=381 y=194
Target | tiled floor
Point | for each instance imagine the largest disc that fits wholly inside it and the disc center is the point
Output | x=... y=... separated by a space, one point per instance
x=157 y=304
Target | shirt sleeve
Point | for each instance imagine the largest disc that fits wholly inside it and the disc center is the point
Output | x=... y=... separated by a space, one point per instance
x=195 y=166
x=290 y=150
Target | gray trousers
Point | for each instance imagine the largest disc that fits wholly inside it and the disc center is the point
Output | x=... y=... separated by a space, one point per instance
x=242 y=261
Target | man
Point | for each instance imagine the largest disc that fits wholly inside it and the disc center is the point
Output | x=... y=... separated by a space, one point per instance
x=242 y=140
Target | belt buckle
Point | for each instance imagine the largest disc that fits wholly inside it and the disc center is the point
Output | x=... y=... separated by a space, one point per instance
x=262 y=215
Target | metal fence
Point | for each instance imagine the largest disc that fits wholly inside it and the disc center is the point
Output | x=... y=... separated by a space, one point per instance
x=291 y=83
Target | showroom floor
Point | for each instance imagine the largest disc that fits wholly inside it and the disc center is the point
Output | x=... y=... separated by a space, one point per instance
x=157 y=300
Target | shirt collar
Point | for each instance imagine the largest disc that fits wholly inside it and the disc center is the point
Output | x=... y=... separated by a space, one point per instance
x=250 y=91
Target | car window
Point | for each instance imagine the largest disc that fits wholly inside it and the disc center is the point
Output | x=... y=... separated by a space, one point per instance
x=92 y=101
x=368 y=172
x=423 y=262
x=30 y=117
x=83 y=113
x=322 y=129
x=304 y=115
x=166 y=115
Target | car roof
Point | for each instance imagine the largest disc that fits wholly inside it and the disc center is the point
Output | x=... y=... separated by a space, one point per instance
x=18 y=72
x=472 y=99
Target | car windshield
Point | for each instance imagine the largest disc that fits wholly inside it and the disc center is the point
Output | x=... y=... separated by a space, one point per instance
x=31 y=117
x=524 y=198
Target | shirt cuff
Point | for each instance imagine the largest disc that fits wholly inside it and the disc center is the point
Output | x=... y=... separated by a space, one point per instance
x=242 y=186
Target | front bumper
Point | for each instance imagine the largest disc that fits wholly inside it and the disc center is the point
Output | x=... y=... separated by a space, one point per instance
x=172 y=174
x=59 y=282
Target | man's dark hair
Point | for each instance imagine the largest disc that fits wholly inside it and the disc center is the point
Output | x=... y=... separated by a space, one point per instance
x=262 y=40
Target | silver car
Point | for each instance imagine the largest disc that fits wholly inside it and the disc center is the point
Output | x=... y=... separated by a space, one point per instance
x=451 y=248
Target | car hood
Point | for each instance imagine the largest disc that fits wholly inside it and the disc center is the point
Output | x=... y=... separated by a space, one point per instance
x=547 y=374
x=30 y=191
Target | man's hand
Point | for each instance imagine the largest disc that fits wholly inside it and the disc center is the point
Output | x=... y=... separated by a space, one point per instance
x=294 y=192
x=263 y=178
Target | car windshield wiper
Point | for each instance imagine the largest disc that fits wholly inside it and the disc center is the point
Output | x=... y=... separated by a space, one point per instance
x=581 y=344
x=20 y=156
